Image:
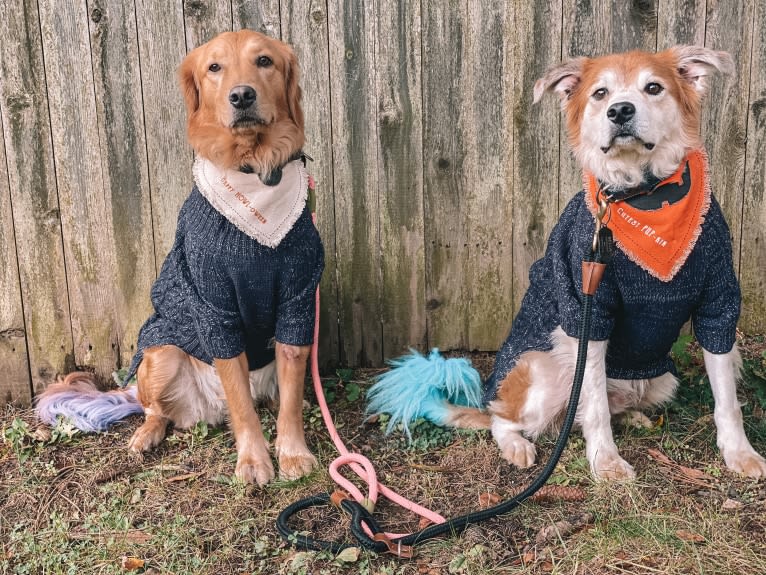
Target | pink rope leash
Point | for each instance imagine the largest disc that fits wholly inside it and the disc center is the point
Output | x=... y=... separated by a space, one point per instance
x=358 y=463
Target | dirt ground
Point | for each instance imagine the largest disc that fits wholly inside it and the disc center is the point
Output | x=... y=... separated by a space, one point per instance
x=74 y=503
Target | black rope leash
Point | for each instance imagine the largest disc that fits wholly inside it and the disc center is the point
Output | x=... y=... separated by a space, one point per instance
x=593 y=268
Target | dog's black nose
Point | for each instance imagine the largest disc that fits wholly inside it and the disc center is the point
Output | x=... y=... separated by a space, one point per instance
x=621 y=112
x=242 y=97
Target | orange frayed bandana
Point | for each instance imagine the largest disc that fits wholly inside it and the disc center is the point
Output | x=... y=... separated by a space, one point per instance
x=661 y=239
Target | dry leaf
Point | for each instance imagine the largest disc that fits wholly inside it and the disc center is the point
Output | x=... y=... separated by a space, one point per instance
x=131 y=563
x=562 y=528
x=732 y=504
x=488 y=499
x=423 y=523
x=42 y=433
x=547 y=566
x=423 y=569
x=348 y=555
x=689 y=536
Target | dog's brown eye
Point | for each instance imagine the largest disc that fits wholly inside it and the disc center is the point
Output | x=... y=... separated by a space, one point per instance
x=600 y=94
x=653 y=88
x=264 y=62
x=214 y=67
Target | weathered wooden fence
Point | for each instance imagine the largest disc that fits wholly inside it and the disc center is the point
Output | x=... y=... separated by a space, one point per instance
x=438 y=179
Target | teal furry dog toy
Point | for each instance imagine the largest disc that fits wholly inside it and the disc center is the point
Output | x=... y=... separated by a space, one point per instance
x=423 y=387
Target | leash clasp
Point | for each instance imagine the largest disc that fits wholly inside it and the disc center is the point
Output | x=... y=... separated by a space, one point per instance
x=603 y=215
x=403 y=551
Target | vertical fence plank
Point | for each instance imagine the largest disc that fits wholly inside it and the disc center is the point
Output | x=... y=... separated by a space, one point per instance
x=206 y=19
x=124 y=166
x=261 y=16
x=29 y=156
x=680 y=22
x=400 y=168
x=162 y=46
x=444 y=157
x=536 y=138
x=305 y=27
x=752 y=274
x=352 y=84
x=89 y=259
x=725 y=111
x=634 y=25
x=488 y=69
x=15 y=386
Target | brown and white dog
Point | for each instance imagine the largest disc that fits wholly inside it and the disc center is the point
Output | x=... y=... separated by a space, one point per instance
x=244 y=117
x=633 y=122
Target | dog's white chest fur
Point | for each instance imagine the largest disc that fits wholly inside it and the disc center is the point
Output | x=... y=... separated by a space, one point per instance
x=265 y=213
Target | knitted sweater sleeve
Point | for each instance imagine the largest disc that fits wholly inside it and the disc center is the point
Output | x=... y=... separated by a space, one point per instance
x=296 y=309
x=715 y=317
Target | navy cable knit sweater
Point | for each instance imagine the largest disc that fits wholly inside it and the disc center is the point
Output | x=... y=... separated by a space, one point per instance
x=640 y=315
x=220 y=292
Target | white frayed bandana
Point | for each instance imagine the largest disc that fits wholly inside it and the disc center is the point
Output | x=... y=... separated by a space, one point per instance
x=265 y=213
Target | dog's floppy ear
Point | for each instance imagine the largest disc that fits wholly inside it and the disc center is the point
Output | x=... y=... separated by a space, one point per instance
x=188 y=82
x=292 y=88
x=562 y=79
x=695 y=63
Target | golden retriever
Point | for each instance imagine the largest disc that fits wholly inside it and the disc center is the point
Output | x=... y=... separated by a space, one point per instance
x=208 y=351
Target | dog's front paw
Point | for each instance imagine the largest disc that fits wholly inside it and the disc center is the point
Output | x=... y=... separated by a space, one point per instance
x=295 y=460
x=149 y=435
x=517 y=450
x=254 y=469
x=636 y=419
x=296 y=466
x=253 y=461
x=747 y=462
x=609 y=466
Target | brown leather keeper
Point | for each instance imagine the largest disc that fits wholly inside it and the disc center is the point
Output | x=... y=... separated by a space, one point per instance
x=338 y=496
x=592 y=273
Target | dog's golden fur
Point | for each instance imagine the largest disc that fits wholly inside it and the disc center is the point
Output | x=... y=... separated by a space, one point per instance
x=263 y=139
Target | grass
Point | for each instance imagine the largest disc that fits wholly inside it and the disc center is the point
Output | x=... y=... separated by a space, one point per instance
x=74 y=503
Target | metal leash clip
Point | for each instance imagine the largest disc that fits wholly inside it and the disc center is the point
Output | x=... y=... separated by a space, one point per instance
x=603 y=215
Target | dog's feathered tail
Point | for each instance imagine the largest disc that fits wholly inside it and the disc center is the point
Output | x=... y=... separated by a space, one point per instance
x=443 y=391
x=88 y=409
